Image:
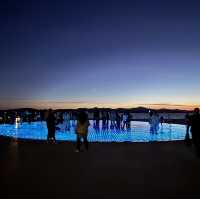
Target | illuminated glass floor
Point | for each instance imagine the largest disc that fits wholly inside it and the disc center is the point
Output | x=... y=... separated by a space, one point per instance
x=139 y=132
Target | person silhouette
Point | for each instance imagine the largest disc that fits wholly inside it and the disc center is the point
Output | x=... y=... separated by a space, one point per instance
x=103 y=119
x=82 y=130
x=125 y=120
x=96 y=118
x=51 y=126
x=112 y=119
x=161 y=120
x=194 y=125
x=129 y=121
x=187 y=135
x=107 y=119
x=118 y=121
x=154 y=121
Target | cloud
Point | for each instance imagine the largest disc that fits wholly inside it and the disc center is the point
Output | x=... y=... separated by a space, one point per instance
x=164 y=104
x=171 y=106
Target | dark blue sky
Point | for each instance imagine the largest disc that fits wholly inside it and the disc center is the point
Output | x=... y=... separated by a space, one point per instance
x=104 y=53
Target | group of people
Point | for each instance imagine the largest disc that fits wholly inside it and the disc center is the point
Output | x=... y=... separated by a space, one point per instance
x=56 y=121
x=81 y=128
x=154 y=122
x=117 y=120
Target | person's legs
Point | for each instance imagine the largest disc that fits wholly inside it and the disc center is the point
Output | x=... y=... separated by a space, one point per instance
x=107 y=123
x=85 y=142
x=97 y=123
x=118 y=125
x=126 y=124
x=53 y=134
x=196 y=142
x=194 y=139
x=78 y=143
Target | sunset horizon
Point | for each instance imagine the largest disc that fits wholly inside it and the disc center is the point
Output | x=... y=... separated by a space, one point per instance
x=46 y=104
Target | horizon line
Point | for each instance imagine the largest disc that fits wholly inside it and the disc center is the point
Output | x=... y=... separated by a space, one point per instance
x=64 y=104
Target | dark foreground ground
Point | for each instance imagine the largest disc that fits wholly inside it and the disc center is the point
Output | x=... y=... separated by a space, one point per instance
x=127 y=170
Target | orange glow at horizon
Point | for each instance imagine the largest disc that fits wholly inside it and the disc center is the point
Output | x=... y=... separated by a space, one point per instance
x=44 y=104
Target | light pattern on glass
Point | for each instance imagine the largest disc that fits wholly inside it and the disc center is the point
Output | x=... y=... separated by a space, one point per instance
x=139 y=132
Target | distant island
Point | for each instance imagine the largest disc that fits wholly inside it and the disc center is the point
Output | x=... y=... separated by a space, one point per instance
x=137 y=114
x=132 y=110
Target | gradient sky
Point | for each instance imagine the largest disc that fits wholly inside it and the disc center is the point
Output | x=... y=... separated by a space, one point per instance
x=99 y=53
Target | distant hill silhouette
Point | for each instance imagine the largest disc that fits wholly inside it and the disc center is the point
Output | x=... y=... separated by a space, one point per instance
x=134 y=110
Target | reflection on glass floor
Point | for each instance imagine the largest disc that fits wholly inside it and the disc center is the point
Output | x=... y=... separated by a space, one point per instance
x=139 y=132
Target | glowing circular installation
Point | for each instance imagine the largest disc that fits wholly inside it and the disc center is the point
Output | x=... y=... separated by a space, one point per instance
x=139 y=132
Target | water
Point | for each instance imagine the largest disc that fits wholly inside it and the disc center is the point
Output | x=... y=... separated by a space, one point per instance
x=139 y=132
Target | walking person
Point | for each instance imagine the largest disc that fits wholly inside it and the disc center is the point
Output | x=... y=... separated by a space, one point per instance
x=51 y=126
x=82 y=130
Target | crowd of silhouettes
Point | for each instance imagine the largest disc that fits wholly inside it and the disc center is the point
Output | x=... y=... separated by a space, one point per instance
x=112 y=119
x=119 y=122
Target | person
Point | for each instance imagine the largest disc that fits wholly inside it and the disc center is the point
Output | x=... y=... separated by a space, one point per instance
x=107 y=119
x=51 y=126
x=73 y=118
x=118 y=121
x=129 y=121
x=161 y=120
x=66 y=118
x=154 y=122
x=125 y=120
x=194 y=125
x=96 y=118
x=82 y=130
x=187 y=135
x=103 y=119
x=112 y=119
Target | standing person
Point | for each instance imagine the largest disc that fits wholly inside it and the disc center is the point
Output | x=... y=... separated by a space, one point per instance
x=82 y=130
x=187 y=135
x=161 y=120
x=103 y=119
x=96 y=118
x=129 y=121
x=73 y=118
x=194 y=124
x=157 y=122
x=125 y=120
x=68 y=121
x=107 y=119
x=118 y=121
x=51 y=126
x=112 y=119
x=154 y=122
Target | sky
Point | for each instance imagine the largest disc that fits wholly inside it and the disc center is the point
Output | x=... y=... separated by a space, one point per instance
x=75 y=53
